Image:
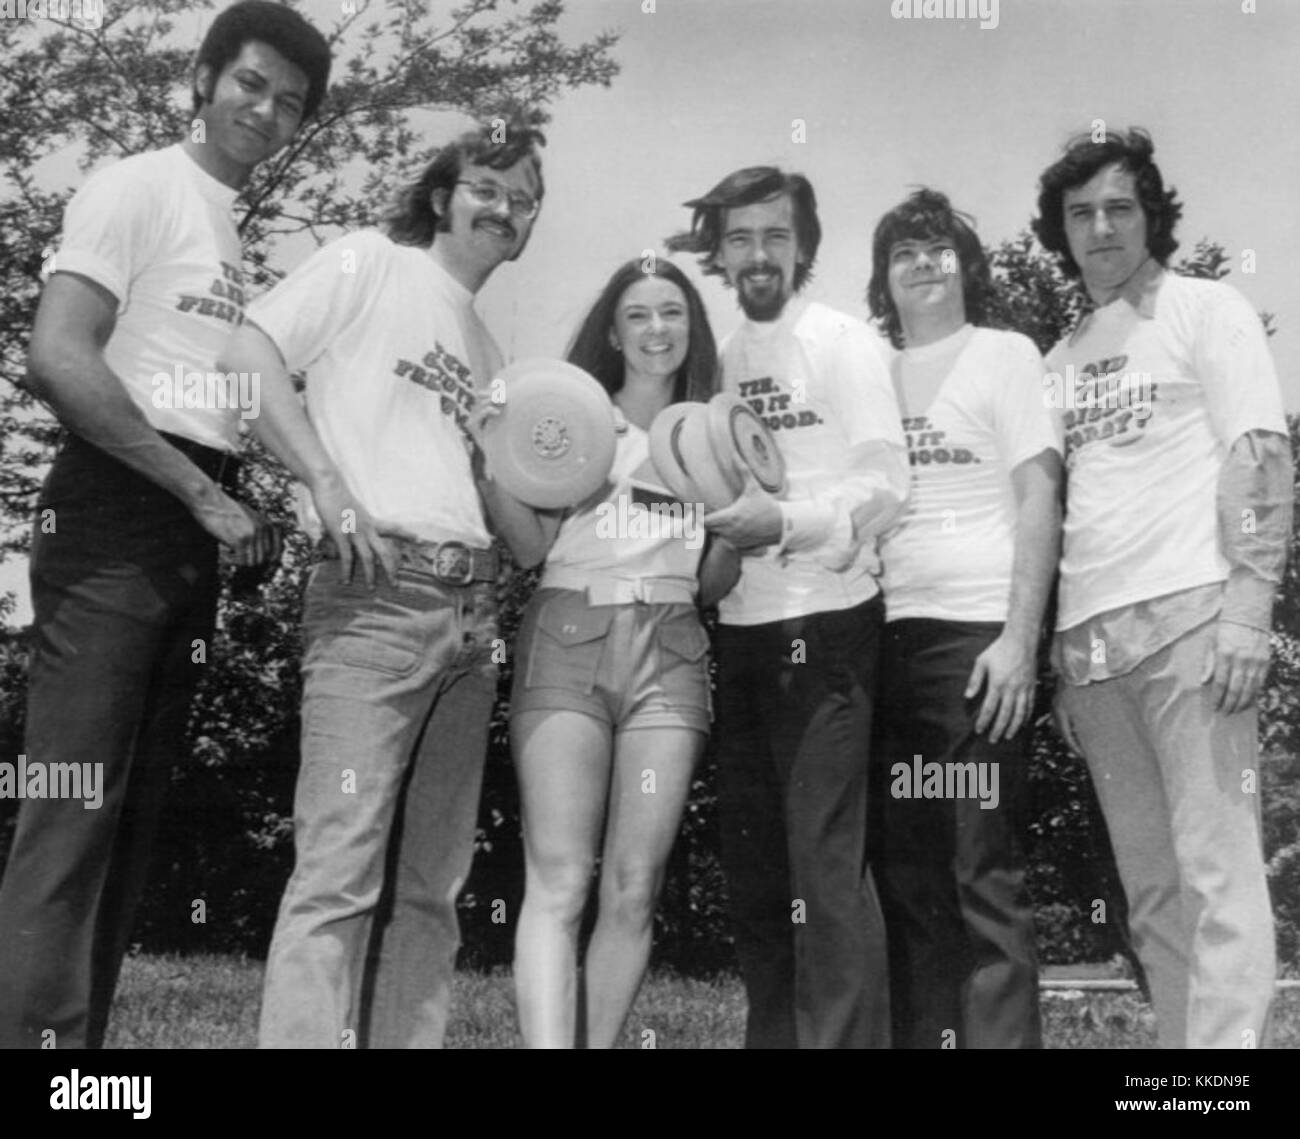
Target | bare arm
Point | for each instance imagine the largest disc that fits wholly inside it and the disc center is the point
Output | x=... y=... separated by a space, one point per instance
x=282 y=425
x=66 y=369
x=1006 y=669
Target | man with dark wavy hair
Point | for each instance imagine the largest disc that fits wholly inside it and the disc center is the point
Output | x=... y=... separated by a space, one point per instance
x=967 y=572
x=147 y=283
x=399 y=674
x=797 y=636
x=1177 y=520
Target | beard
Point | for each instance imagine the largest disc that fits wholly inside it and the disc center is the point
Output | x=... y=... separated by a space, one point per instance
x=764 y=304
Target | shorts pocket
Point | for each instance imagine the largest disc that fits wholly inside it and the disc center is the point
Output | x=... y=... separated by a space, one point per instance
x=684 y=636
x=568 y=643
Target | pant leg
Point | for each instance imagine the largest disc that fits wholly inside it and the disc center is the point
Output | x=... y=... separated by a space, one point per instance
x=1209 y=763
x=161 y=745
x=115 y=586
x=435 y=842
x=820 y=731
x=913 y=853
x=752 y=820
x=1109 y=723
x=373 y=665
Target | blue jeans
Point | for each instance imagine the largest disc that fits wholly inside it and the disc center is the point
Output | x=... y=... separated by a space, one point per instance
x=398 y=691
x=794 y=728
x=122 y=586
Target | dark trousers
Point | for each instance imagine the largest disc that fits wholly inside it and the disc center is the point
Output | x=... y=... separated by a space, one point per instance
x=962 y=965
x=124 y=581
x=794 y=725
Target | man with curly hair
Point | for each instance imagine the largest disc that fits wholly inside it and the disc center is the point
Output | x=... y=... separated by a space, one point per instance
x=1177 y=519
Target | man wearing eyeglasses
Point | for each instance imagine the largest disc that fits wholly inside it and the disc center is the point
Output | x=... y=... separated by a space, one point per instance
x=398 y=676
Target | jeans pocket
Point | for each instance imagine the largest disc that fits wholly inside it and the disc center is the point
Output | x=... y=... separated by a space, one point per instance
x=568 y=643
x=349 y=625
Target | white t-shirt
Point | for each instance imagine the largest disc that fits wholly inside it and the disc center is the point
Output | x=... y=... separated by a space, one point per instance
x=818 y=379
x=950 y=556
x=636 y=529
x=159 y=233
x=1177 y=388
x=394 y=354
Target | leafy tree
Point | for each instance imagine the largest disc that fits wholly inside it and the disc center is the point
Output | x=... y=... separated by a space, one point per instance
x=123 y=88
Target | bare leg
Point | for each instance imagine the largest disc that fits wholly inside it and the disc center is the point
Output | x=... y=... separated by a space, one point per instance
x=562 y=760
x=651 y=780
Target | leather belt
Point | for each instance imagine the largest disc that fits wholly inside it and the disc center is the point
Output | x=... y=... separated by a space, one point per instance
x=623 y=590
x=452 y=563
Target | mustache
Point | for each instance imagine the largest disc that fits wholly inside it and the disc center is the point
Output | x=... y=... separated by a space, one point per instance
x=755 y=270
x=514 y=233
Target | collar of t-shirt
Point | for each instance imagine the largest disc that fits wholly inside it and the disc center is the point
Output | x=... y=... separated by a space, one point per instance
x=213 y=189
x=946 y=346
x=1139 y=290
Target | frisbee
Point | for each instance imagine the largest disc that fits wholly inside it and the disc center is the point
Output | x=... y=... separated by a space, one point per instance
x=718 y=482
x=666 y=451
x=553 y=444
x=741 y=439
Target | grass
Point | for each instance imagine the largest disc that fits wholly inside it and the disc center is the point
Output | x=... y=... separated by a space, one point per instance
x=212 y=1002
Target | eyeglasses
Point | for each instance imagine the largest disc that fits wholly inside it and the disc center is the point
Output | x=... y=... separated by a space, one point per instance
x=492 y=194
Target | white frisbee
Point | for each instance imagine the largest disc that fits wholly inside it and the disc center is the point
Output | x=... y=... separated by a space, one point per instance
x=553 y=444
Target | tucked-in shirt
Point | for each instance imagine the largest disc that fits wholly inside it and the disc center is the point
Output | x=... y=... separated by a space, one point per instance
x=158 y=232
x=395 y=357
x=818 y=380
x=950 y=555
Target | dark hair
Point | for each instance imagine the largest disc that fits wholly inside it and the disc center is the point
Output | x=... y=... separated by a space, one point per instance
x=592 y=350
x=1083 y=157
x=744 y=188
x=278 y=27
x=924 y=215
x=498 y=144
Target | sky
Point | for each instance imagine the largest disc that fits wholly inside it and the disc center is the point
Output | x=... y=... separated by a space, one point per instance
x=869 y=105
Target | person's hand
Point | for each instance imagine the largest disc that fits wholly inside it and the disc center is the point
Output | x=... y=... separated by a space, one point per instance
x=1005 y=670
x=249 y=538
x=355 y=534
x=753 y=520
x=1064 y=725
x=1236 y=666
x=483 y=412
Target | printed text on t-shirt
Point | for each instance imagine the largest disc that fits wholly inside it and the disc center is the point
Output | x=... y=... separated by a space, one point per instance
x=229 y=287
x=778 y=409
x=926 y=445
x=442 y=372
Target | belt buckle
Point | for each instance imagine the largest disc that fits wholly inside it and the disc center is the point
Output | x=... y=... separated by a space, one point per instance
x=453 y=564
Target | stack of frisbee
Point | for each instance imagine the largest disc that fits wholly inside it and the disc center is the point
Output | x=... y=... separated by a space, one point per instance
x=552 y=445
x=702 y=451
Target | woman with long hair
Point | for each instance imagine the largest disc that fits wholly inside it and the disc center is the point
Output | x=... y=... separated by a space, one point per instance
x=610 y=708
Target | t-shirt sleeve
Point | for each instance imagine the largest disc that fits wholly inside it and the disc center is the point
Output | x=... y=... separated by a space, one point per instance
x=314 y=304
x=110 y=229
x=1235 y=367
x=861 y=393
x=1024 y=421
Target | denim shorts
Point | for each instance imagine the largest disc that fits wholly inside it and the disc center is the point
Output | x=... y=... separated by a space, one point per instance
x=630 y=666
